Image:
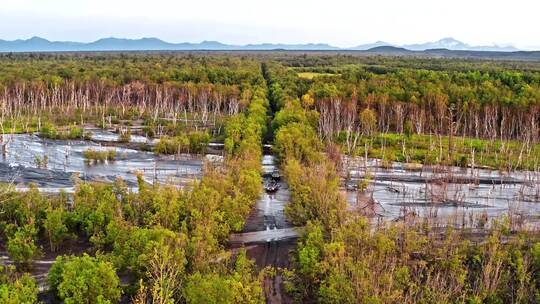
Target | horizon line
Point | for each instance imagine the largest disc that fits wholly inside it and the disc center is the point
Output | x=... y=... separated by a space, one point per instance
x=385 y=43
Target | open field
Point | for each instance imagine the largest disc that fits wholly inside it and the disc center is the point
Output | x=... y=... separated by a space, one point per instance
x=311 y=75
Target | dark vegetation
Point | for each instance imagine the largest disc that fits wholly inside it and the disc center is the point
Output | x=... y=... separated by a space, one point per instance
x=169 y=244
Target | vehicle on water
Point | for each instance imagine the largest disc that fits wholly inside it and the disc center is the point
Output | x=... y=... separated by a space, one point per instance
x=271 y=186
x=351 y=186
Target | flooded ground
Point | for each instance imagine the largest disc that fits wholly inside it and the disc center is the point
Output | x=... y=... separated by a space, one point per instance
x=267 y=236
x=50 y=164
x=425 y=192
x=269 y=214
x=442 y=191
x=109 y=136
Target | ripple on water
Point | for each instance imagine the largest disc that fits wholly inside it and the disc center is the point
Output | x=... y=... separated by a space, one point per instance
x=65 y=157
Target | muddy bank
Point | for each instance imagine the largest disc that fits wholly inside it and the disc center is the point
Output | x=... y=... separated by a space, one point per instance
x=450 y=178
x=40 y=267
x=275 y=254
x=13 y=173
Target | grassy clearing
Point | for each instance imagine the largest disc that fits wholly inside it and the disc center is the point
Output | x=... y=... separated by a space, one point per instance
x=431 y=150
x=311 y=75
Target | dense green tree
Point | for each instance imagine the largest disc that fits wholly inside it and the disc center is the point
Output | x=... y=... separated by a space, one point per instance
x=16 y=289
x=135 y=247
x=368 y=121
x=95 y=207
x=297 y=141
x=238 y=286
x=55 y=227
x=314 y=194
x=21 y=246
x=84 y=279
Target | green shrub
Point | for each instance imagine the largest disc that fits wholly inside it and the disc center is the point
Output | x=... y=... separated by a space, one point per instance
x=41 y=162
x=198 y=141
x=125 y=136
x=76 y=133
x=193 y=142
x=84 y=279
x=21 y=246
x=48 y=131
x=55 y=226
x=92 y=155
x=17 y=290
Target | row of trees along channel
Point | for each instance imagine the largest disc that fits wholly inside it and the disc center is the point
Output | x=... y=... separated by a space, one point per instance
x=342 y=259
x=167 y=243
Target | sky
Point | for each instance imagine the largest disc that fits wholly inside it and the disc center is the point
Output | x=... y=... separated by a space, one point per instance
x=337 y=22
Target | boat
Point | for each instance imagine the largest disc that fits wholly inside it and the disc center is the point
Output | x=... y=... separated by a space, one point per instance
x=351 y=186
x=271 y=186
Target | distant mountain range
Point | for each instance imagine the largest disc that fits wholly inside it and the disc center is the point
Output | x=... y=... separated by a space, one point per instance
x=456 y=45
x=37 y=44
x=445 y=43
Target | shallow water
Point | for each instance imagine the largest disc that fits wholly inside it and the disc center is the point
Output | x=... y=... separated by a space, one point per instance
x=446 y=192
x=268 y=237
x=267 y=220
x=108 y=136
x=65 y=157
